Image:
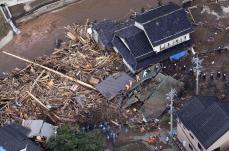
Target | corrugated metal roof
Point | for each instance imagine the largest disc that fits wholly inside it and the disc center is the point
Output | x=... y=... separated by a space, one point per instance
x=39 y=128
x=113 y=85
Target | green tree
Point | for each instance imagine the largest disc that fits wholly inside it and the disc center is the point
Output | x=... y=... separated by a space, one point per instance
x=71 y=139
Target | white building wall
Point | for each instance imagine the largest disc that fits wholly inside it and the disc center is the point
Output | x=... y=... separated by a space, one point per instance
x=183 y=134
x=222 y=142
x=172 y=43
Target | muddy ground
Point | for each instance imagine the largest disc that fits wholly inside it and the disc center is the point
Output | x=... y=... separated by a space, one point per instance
x=39 y=35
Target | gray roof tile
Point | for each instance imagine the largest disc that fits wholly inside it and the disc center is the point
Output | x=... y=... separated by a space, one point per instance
x=206 y=117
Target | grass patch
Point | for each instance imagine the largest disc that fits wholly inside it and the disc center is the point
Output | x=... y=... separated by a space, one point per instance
x=4 y=26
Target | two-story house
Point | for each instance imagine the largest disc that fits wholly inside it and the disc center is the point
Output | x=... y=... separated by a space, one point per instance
x=149 y=37
x=203 y=124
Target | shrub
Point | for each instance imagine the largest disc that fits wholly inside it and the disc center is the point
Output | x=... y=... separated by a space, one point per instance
x=71 y=139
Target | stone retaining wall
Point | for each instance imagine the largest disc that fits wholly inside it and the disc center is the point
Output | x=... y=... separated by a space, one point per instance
x=34 y=9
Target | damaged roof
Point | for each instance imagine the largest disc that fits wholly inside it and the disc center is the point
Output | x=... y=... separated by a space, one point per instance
x=13 y=138
x=114 y=84
x=39 y=128
x=106 y=30
x=206 y=117
x=165 y=23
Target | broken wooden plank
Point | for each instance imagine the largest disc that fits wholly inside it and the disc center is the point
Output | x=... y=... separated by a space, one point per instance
x=51 y=70
x=38 y=101
x=35 y=82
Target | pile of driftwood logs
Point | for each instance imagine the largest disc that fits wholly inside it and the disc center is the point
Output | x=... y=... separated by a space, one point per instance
x=60 y=87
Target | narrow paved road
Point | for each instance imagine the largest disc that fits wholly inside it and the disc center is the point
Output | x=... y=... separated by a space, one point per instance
x=38 y=36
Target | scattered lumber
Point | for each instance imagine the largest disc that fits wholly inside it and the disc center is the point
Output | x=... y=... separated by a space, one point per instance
x=49 y=69
x=45 y=88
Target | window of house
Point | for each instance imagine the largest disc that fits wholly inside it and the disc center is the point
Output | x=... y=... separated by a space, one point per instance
x=190 y=146
x=177 y=40
x=168 y=44
x=191 y=135
x=185 y=37
x=217 y=149
x=200 y=147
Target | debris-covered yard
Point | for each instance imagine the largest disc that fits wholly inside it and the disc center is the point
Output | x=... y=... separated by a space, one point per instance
x=73 y=84
x=79 y=58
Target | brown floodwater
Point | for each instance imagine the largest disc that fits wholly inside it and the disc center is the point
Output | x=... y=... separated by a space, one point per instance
x=38 y=35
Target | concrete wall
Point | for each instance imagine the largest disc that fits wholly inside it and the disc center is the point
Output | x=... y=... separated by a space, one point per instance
x=4 y=41
x=186 y=137
x=44 y=9
x=14 y=2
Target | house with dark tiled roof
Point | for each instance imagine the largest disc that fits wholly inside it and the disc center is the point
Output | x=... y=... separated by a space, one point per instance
x=203 y=124
x=149 y=37
x=103 y=33
x=13 y=138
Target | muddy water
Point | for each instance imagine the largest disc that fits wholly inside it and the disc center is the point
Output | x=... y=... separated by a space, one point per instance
x=38 y=36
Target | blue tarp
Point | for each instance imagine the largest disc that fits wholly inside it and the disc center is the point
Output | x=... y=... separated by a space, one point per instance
x=2 y=149
x=179 y=55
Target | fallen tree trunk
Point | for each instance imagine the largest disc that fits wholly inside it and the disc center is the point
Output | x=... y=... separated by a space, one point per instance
x=51 y=70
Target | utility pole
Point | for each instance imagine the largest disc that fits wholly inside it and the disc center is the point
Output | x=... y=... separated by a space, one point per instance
x=170 y=97
x=197 y=69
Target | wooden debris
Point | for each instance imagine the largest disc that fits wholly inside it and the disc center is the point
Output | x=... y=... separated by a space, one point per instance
x=40 y=92
x=49 y=69
x=38 y=101
x=35 y=82
x=71 y=36
x=93 y=81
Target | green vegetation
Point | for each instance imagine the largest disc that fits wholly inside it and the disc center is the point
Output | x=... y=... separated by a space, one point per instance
x=71 y=139
x=164 y=122
x=4 y=27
